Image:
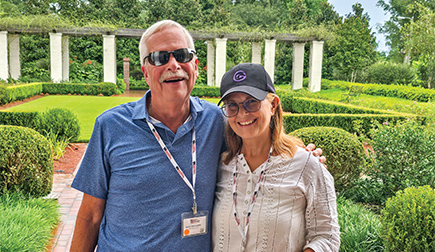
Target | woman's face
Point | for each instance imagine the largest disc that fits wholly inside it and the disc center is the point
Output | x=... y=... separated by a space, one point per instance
x=250 y=125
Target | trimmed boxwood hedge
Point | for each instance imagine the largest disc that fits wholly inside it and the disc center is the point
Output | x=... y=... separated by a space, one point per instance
x=344 y=152
x=26 y=162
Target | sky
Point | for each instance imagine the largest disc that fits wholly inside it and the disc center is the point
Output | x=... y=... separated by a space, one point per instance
x=377 y=16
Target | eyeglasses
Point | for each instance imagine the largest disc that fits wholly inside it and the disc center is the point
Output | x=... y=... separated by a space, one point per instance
x=159 y=58
x=232 y=109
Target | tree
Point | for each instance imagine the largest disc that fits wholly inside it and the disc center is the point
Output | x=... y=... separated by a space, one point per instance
x=355 y=45
x=400 y=16
x=419 y=40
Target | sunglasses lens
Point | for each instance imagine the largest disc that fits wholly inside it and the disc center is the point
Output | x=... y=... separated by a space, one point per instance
x=252 y=105
x=182 y=55
x=230 y=109
x=159 y=58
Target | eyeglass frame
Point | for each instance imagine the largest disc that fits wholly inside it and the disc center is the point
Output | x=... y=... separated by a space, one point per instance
x=238 y=107
x=189 y=50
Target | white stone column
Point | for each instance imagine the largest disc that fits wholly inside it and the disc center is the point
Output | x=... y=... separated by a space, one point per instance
x=109 y=58
x=256 y=53
x=221 y=59
x=65 y=58
x=56 y=57
x=14 y=56
x=298 y=65
x=210 y=63
x=269 y=57
x=4 y=66
x=315 y=74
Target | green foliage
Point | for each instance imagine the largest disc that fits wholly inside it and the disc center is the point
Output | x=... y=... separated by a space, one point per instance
x=408 y=220
x=86 y=72
x=25 y=119
x=354 y=47
x=20 y=92
x=404 y=156
x=344 y=121
x=399 y=91
x=205 y=91
x=344 y=152
x=26 y=224
x=105 y=88
x=390 y=73
x=26 y=162
x=61 y=122
x=359 y=228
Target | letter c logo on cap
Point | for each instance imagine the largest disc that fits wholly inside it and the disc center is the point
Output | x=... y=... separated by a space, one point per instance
x=239 y=76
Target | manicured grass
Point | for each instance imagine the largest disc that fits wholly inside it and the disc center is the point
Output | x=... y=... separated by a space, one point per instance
x=26 y=225
x=87 y=108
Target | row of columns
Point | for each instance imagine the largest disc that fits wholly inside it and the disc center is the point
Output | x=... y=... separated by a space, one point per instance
x=216 y=59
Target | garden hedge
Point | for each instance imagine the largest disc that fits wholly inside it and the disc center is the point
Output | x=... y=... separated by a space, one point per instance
x=344 y=152
x=26 y=162
x=20 y=92
x=408 y=220
x=400 y=91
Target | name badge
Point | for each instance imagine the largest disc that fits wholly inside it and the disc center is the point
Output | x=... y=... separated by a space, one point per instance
x=193 y=225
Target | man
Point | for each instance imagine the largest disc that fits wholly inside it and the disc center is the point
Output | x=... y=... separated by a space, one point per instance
x=141 y=188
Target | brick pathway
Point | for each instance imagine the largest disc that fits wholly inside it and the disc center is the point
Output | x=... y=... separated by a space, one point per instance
x=69 y=201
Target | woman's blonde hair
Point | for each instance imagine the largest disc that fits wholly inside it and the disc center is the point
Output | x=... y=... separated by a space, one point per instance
x=282 y=143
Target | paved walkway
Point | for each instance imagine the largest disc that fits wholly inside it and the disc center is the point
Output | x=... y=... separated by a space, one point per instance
x=69 y=200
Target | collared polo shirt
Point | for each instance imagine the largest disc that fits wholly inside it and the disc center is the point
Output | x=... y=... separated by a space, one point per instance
x=145 y=196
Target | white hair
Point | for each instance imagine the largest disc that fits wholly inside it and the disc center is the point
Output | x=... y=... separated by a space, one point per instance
x=158 y=26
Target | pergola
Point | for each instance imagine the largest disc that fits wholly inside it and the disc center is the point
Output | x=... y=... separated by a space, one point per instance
x=216 y=52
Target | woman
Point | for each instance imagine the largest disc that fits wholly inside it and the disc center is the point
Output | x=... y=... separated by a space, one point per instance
x=271 y=195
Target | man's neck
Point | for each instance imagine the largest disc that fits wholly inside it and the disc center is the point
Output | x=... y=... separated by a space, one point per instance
x=171 y=114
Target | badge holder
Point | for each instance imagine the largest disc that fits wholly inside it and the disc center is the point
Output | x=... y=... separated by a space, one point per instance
x=194 y=224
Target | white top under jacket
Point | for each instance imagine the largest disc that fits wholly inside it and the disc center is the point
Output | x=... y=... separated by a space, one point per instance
x=295 y=208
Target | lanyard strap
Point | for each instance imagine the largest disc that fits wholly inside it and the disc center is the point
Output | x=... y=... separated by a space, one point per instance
x=174 y=163
x=254 y=196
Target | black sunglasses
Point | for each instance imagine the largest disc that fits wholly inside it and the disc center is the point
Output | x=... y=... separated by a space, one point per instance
x=232 y=109
x=159 y=58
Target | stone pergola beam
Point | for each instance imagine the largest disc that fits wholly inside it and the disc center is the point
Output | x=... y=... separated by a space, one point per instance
x=4 y=64
x=56 y=57
x=210 y=63
x=256 y=53
x=109 y=58
x=216 y=56
x=221 y=59
x=298 y=65
x=14 y=56
x=269 y=57
x=315 y=74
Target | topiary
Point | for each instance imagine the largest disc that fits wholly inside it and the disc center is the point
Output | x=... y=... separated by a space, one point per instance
x=61 y=122
x=344 y=152
x=408 y=220
x=26 y=161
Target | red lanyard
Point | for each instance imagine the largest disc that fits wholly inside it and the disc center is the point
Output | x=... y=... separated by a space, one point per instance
x=254 y=196
x=174 y=163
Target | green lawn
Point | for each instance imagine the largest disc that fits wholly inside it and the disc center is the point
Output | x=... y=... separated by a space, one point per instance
x=87 y=108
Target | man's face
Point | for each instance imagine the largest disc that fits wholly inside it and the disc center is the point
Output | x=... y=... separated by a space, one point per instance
x=172 y=81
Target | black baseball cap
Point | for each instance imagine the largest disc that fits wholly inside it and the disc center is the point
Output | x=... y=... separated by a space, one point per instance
x=248 y=78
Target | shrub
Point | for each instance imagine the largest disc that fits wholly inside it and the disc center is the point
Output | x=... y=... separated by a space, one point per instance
x=61 y=122
x=108 y=88
x=344 y=152
x=359 y=228
x=26 y=162
x=390 y=73
x=408 y=220
x=404 y=156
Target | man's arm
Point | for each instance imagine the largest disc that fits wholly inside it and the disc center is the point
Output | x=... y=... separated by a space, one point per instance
x=88 y=224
